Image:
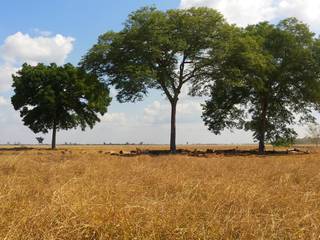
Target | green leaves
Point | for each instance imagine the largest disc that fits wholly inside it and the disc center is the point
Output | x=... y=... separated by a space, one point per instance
x=156 y=49
x=159 y=50
x=66 y=95
x=277 y=81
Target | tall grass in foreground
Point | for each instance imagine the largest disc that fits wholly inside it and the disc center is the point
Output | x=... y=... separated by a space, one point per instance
x=87 y=194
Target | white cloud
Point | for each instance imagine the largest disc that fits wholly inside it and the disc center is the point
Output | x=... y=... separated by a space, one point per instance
x=19 y=48
x=253 y=11
x=159 y=112
x=3 y=101
x=42 y=32
x=305 y=10
x=6 y=70
x=237 y=11
x=116 y=118
x=189 y=107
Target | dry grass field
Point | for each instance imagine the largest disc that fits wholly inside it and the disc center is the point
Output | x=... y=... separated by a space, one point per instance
x=87 y=193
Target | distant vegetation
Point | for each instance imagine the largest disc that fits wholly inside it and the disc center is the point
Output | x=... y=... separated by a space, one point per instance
x=307 y=140
x=40 y=140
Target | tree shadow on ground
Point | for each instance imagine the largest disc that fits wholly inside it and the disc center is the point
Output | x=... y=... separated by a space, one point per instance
x=15 y=149
x=211 y=152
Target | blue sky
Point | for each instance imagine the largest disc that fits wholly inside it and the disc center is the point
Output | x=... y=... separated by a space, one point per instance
x=63 y=30
x=82 y=19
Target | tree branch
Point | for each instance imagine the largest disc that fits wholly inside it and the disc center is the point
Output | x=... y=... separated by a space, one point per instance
x=166 y=90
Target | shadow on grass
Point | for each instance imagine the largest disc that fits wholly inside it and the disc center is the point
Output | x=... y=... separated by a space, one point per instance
x=211 y=152
x=15 y=149
x=22 y=148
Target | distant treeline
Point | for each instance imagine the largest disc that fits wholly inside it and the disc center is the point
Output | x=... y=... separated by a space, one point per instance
x=307 y=140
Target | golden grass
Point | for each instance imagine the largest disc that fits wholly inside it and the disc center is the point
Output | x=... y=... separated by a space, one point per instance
x=84 y=193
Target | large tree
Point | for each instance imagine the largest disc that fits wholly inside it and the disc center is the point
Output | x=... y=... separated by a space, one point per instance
x=58 y=97
x=157 y=50
x=270 y=82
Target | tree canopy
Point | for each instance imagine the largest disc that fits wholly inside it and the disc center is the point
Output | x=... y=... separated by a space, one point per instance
x=158 y=50
x=58 y=97
x=270 y=82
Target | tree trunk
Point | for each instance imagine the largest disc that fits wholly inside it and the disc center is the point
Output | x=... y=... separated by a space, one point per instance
x=54 y=132
x=262 y=132
x=262 y=147
x=173 y=147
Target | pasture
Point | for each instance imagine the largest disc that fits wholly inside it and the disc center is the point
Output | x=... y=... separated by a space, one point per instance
x=88 y=193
